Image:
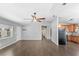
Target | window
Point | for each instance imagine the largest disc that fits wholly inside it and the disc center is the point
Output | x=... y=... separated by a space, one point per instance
x=6 y=31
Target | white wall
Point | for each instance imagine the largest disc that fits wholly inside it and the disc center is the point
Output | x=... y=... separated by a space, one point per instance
x=32 y=31
x=54 y=29
x=16 y=33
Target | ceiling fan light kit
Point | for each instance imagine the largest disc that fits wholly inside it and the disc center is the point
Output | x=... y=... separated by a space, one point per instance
x=37 y=19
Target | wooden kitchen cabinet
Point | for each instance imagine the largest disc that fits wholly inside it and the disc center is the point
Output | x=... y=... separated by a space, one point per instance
x=71 y=27
x=73 y=38
x=69 y=37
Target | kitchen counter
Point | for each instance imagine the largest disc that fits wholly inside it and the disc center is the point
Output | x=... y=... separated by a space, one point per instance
x=73 y=38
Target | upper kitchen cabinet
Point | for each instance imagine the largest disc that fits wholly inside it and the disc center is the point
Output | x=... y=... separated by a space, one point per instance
x=71 y=27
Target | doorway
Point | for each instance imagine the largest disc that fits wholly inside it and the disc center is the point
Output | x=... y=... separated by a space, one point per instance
x=44 y=31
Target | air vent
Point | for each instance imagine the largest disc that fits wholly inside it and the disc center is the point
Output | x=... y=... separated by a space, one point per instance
x=63 y=3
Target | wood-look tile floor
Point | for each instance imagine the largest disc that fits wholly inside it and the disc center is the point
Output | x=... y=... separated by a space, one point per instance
x=40 y=48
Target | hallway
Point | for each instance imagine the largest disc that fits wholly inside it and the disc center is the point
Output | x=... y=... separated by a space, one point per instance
x=39 y=48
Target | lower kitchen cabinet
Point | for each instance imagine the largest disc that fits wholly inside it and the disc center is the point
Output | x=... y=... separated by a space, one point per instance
x=73 y=38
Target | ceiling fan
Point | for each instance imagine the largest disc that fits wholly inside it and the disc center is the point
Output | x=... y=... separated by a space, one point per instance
x=36 y=18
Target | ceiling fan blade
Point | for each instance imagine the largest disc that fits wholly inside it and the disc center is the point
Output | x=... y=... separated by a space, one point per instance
x=40 y=18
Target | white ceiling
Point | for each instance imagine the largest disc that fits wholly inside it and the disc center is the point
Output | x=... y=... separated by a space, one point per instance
x=20 y=11
x=70 y=10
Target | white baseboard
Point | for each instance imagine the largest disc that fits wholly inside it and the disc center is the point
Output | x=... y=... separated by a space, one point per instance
x=8 y=44
x=31 y=39
x=56 y=43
